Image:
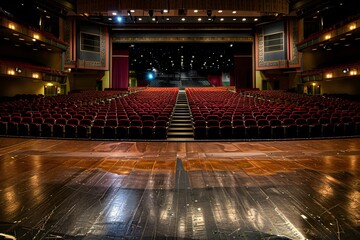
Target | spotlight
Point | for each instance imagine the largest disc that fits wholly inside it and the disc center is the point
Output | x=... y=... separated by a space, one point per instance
x=345 y=70
x=151 y=13
x=119 y=19
x=209 y=13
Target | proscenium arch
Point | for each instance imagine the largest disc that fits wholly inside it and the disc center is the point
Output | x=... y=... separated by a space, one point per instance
x=244 y=67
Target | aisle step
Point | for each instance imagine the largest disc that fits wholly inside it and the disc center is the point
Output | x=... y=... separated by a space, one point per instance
x=181 y=127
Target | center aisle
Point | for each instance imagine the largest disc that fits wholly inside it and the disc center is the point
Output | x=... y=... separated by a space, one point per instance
x=181 y=128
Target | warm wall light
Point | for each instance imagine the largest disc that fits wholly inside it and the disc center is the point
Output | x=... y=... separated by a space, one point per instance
x=11 y=72
x=12 y=26
x=35 y=75
x=352 y=26
x=329 y=75
x=49 y=84
x=314 y=84
x=328 y=36
x=353 y=72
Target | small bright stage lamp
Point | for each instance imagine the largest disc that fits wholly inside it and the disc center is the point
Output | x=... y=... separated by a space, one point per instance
x=150 y=76
x=119 y=19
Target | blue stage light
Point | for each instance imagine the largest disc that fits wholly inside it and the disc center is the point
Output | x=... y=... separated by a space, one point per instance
x=150 y=76
x=119 y=19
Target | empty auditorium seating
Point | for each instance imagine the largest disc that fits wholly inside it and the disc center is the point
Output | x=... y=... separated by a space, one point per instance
x=71 y=127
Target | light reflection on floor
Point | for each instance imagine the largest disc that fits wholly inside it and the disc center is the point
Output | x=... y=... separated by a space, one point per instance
x=262 y=190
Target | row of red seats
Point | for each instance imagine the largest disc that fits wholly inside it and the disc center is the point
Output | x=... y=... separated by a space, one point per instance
x=115 y=118
x=219 y=114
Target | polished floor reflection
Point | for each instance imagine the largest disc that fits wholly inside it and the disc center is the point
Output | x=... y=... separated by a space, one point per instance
x=67 y=189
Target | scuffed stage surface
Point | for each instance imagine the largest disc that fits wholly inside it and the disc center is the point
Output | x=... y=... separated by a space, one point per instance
x=67 y=189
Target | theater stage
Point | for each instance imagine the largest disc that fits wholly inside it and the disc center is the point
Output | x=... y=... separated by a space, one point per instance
x=68 y=189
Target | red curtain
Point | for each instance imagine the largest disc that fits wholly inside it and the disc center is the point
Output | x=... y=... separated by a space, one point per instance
x=120 y=69
x=243 y=71
x=215 y=80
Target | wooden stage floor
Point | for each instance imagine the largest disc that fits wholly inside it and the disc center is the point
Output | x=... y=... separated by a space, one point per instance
x=68 y=189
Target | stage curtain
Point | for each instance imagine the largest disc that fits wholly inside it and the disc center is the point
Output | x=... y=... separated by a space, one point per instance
x=215 y=80
x=243 y=71
x=120 y=69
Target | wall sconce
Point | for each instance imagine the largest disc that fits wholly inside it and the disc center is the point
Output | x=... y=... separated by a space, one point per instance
x=329 y=75
x=353 y=72
x=328 y=36
x=352 y=26
x=11 y=72
x=12 y=26
x=35 y=75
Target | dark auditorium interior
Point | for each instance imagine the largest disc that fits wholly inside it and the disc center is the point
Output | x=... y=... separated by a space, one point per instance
x=180 y=119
